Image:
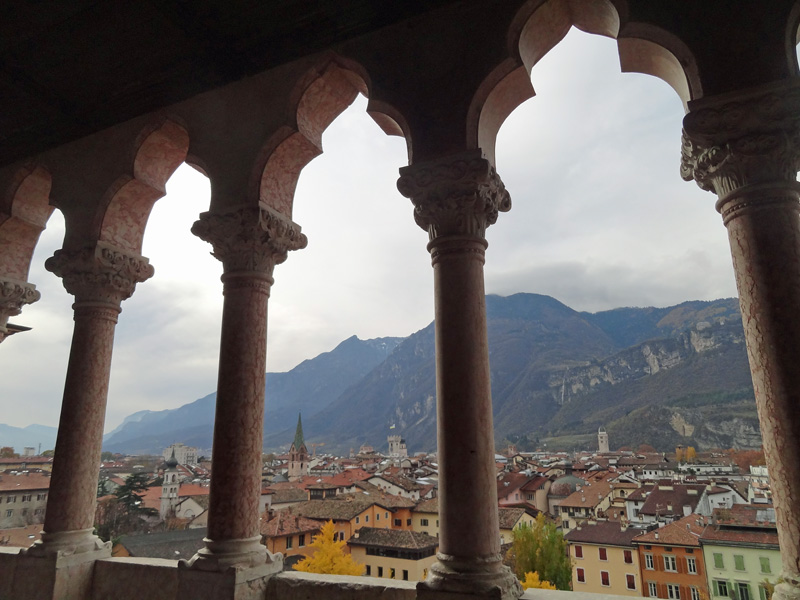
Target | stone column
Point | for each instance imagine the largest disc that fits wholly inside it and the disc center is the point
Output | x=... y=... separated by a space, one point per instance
x=14 y=295
x=455 y=199
x=746 y=148
x=100 y=278
x=249 y=242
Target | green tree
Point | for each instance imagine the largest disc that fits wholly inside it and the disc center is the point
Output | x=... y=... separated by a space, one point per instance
x=129 y=494
x=541 y=549
x=107 y=456
x=329 y=557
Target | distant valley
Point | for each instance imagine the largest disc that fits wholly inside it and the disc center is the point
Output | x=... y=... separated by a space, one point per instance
x=660 y=376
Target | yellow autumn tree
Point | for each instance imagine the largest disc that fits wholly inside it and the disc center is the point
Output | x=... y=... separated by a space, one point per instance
x=532 y=581
x=691 y=454
x=329 y=556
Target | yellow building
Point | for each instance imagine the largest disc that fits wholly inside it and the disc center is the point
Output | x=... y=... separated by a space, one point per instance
x=425 y=517
x=514 y=518
x=604 y=560
x=394 y=554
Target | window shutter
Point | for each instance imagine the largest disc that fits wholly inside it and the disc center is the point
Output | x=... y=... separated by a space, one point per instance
x=679 y=565
x=716 y=587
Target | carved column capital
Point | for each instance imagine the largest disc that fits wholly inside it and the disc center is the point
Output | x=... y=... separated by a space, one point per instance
x=250 y=239
x=102 y=274
x=459 y=195
x=747 y=139
x=14 y=294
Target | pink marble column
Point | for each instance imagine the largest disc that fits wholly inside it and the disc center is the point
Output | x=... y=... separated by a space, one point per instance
x=746 y=148
x=455 y=199
x=249 y=242
x=100 y=278
x=14 y=295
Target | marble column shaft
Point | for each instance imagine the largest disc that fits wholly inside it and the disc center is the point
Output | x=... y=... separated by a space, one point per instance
x=746 y=149
x=100 y=278
x=455 y=199
x=249 y=242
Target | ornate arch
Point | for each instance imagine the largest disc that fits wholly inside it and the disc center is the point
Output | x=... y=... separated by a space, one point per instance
x=320 y=96
x=158 y=150
x=24 y=211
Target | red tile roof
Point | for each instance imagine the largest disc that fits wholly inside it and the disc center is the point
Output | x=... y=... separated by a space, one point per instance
x=684 y=532
x=285 y=522
x=606 y=533
x=25 y=482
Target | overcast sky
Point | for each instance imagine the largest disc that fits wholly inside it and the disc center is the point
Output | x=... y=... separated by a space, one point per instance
x=600 y=219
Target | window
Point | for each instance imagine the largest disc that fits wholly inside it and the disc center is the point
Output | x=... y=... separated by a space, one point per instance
x=301 y=540
x=696 y=593
x=648 y=562
x=669 y=563
x=738 y=562
x=26 y=498
x=762 y=592
x=398 y=522
x=380 y=571
x=38 y=511
x=11 y=499
x=378 y=517
x=357 y=520
x=289 y=541
x=366 y=518
x=580 y=575
x=9 y=512
x=603 y=553
x=744 y=590
x=386 y=515
x=628 y=557
x=424 y=522
x=405 y=575
x=691 y=566
x=578 y=551
x=721 y=587
x=604 y=578
x=24 y=511
x=408 y=522
x=718 y=562
x=765 y=566
x=673 y=591
x=630 y=581
x=652 y=589
x=369 y=571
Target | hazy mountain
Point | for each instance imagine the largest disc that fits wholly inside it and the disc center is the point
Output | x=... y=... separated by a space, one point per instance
x=649 y=375
x=310 y=386
x=30 y=436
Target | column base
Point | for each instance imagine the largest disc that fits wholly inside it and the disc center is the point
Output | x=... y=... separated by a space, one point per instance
x=68 y=543
x=454 y=577
x=234 y=583
x=59 y=567
x=225 y=555
x=789 y=589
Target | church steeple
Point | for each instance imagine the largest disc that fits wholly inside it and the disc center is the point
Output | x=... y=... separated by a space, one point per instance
x=298 y=436
x=298 y=454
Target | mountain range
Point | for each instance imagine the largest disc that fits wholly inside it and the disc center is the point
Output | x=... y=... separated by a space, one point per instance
x=660 y=376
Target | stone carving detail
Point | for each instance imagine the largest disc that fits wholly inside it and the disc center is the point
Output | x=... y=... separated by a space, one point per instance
x=752 y=139
x=251 y=238
x=458 y=195
x=100 y=274
x=14 y=295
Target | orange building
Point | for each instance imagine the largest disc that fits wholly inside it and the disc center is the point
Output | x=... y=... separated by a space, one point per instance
x=671 y=560
x=289 y=533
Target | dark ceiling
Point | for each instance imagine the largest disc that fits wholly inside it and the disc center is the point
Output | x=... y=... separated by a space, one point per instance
x=68 y=69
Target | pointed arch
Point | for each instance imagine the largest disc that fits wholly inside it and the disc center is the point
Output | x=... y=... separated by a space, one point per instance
x=320 y=96
x=158 y=150
x=24 y=211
